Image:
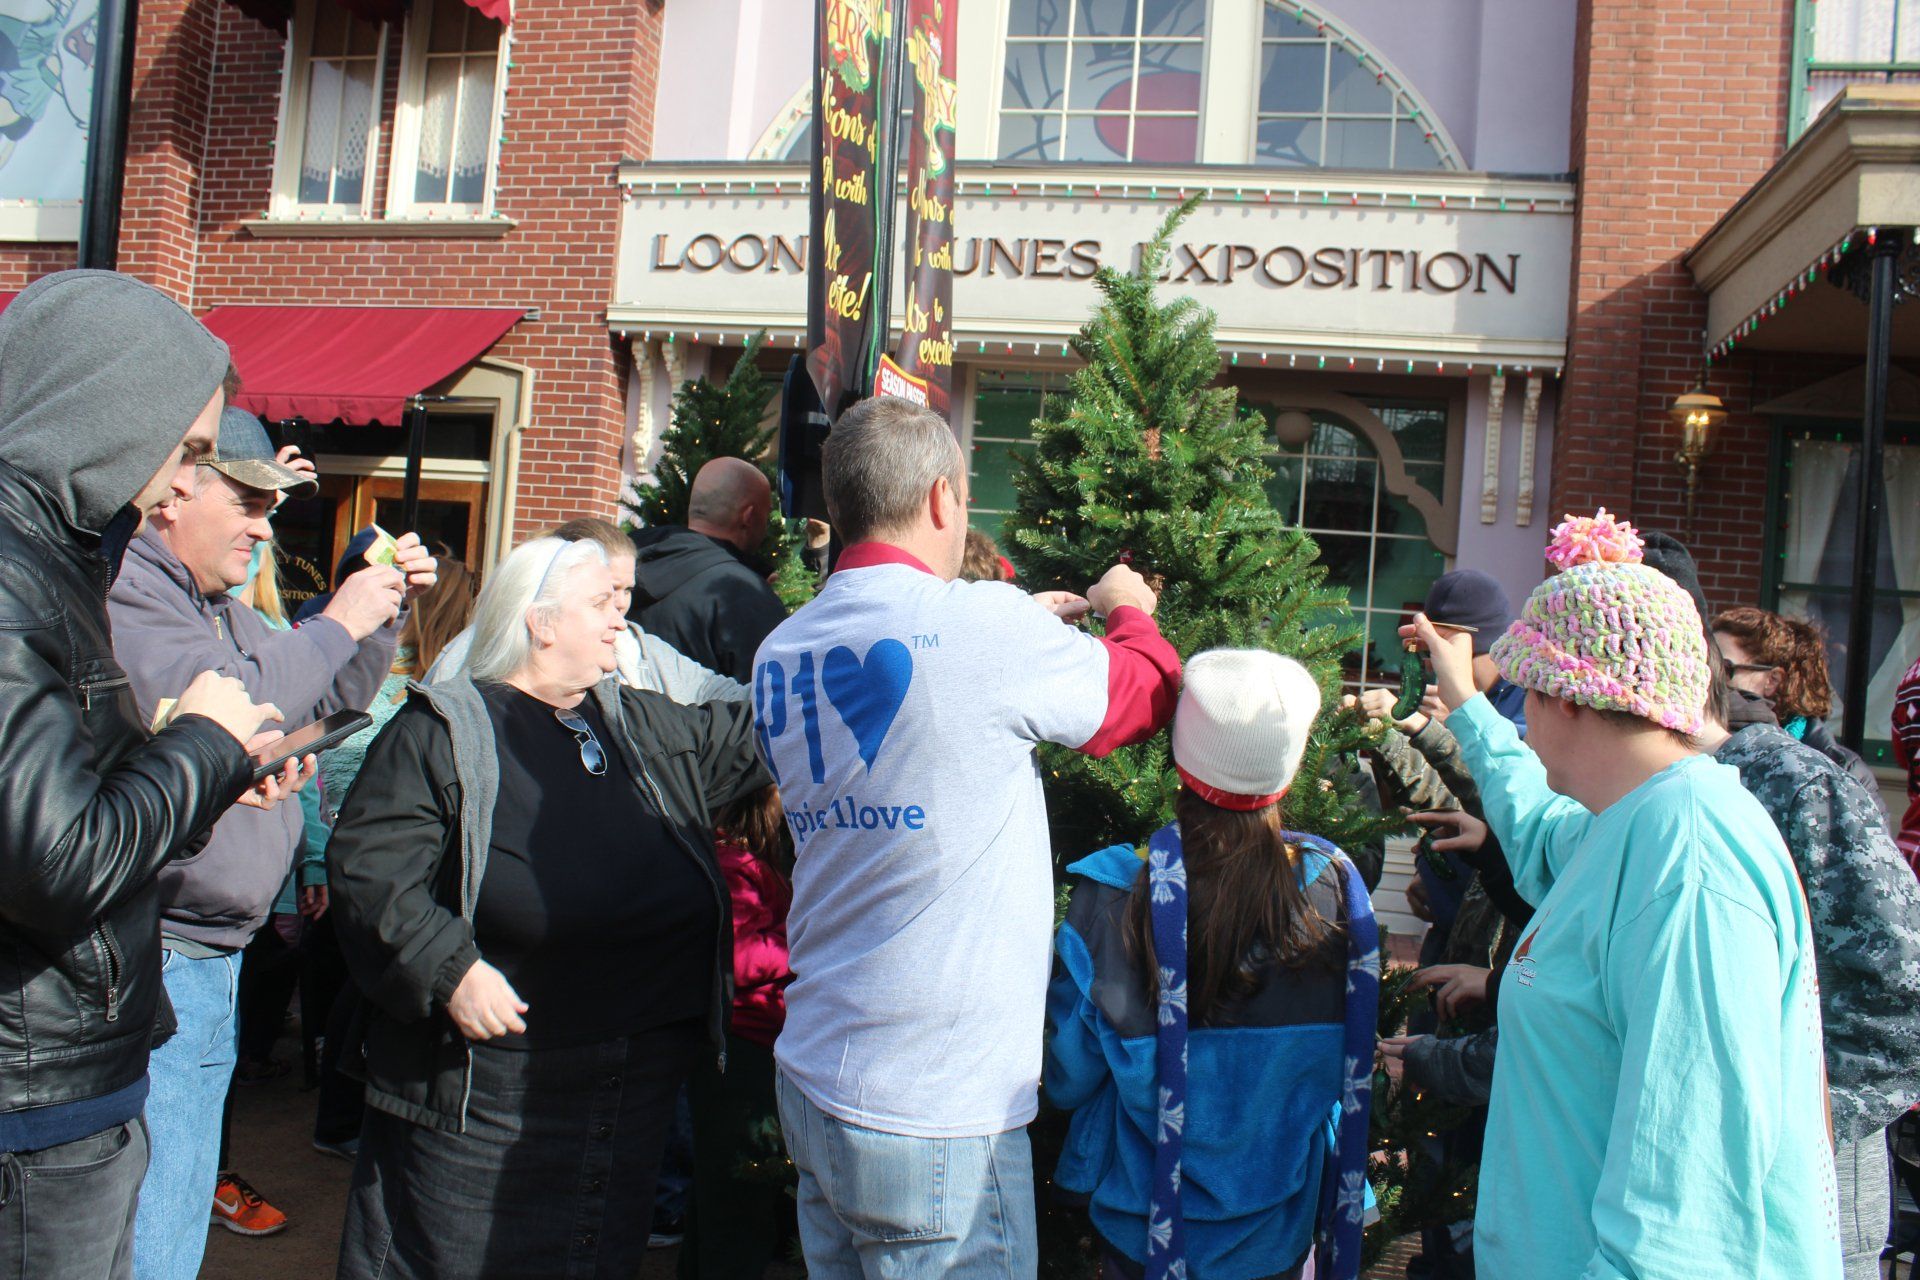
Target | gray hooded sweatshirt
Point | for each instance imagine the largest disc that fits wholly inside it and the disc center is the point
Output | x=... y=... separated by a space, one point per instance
x=63 y=405
x=165 y=632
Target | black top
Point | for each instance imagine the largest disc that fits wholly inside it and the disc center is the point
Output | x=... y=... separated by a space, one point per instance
x=704 y=597
x=599 y=919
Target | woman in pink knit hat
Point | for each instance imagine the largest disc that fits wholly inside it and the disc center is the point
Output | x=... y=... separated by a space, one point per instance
x=1659 y=1107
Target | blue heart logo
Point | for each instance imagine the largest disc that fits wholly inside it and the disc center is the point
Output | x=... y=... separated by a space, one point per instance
x=868 y=695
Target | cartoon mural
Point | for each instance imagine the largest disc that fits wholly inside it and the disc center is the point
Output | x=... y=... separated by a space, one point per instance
x=46 y=96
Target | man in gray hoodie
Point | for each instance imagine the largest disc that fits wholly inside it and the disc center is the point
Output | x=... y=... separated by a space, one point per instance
x=172 y=615
x=110 y=393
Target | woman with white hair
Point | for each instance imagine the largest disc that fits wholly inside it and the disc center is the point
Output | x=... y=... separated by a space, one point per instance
x=526 y=890
x=642 y=660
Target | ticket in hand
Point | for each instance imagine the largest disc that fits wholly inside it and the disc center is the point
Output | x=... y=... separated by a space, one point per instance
x=385 y=549
x=163 y=712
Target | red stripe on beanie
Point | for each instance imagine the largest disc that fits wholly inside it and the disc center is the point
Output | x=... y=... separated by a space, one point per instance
x=1226 y=799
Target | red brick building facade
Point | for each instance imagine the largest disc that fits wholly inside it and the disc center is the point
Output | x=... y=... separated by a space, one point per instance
x=578 y=97
x=1660 y=152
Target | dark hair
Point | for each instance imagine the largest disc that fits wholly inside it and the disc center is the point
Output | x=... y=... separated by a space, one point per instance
x=1798 y=648
x=436 y=617
x=1245 y=906
x=230 y=384
x=1719 y=687
x=981 y=563
x=756 y=823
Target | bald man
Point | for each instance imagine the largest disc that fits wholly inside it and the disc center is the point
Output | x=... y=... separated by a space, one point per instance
x=702 y=588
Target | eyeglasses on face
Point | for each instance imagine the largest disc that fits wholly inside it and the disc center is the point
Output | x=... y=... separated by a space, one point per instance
x=592 y=755
x=1758 y=668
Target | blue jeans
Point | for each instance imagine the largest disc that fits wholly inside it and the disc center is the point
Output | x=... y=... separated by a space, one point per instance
x=191 y=1074
x=878 y=1204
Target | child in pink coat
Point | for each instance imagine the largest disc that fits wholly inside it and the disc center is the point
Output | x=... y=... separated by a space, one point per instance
x=740 y=1209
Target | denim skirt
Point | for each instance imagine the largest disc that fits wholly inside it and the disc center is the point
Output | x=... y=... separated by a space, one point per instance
x=553 y=1177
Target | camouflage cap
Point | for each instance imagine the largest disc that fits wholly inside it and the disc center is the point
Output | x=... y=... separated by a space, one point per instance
x=245 y=456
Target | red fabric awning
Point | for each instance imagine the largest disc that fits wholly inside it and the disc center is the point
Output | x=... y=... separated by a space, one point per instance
x=357 y=364
x=277 y=13
x=6 y=299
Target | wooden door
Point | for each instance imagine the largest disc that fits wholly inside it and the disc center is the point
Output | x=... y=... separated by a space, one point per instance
x=453 y=513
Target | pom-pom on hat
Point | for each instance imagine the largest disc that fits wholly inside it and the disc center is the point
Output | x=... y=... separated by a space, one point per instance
x=1241 y=726
x=1609 y=632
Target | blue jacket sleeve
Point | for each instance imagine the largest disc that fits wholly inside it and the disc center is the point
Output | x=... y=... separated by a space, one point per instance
x=1076 y=1067
x=1537 y=827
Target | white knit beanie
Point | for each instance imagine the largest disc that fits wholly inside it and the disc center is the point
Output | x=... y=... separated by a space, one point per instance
x=1241 y=726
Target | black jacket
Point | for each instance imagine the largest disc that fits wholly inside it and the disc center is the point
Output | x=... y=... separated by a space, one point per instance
x=409 y=853
x=92 y=808
x=703 y=597
x=100 y=376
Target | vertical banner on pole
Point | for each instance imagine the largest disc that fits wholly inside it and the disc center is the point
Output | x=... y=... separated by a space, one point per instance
x=843 y=253
x=926 y=349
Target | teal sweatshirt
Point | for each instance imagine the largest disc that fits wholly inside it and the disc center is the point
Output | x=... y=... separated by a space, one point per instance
x=1659 y=1108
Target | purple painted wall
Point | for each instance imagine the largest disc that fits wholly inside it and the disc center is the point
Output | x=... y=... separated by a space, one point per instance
x=1497 y=72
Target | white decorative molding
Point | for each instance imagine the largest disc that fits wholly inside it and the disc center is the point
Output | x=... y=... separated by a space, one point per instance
x=1529 y=443
x=673 y=355
x=1490 y=458
x=450 y=228
x=42 y=221
x=643 y=406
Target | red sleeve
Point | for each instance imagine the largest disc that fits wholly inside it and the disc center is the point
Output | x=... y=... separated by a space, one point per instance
x=1143 y=682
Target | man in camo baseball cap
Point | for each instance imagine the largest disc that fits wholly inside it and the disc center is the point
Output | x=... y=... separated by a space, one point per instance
x=246 y=456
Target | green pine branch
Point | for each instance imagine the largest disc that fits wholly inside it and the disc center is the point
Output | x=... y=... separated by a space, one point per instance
x=726 y=420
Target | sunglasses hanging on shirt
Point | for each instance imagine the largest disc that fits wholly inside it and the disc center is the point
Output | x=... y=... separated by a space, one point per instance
x=592 y=755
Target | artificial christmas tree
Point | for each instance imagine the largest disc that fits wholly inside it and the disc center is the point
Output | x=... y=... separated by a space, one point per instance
x=1145 y=461
x=726 y=420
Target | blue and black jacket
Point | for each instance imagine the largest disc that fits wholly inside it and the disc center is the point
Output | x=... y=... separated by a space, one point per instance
x=1264 y=1085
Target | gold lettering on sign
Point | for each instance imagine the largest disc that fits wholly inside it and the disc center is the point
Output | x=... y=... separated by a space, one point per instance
x=1203 y=266
x=844 y=301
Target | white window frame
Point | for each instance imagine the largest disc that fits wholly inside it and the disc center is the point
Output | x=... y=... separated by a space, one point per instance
x=1229 y=86
x=406 y=124
x=292 y=127
x=1407 y=107
x=1206 y=42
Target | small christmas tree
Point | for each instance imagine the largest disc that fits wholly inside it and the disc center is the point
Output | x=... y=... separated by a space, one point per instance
x=1147 y=462
x=1414 y=1190
x=726 y=420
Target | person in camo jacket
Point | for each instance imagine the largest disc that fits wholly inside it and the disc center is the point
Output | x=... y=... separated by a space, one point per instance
x=1906 y=750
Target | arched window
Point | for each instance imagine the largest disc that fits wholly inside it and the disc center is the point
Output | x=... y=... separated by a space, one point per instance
x=1103 y=80
x=1326 y=102
x=1373 y=541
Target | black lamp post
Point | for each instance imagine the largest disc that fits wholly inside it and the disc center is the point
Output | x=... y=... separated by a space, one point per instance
x=107 y=134
x=1884 y=275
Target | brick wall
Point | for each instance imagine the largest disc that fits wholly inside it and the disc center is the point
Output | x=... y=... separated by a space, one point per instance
x=580 y=99
x=1678 y=109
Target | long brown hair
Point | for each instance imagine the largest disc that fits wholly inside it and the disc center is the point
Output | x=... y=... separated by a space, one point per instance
x=758 y=824
x=1795 y=646
x=1245 y=905
x=437 y=617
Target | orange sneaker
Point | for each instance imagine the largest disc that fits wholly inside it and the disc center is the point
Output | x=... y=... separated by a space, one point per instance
x=239 y=1208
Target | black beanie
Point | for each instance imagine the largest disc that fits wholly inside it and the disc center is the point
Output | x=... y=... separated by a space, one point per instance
x=1664 y=552
x=1470 y=598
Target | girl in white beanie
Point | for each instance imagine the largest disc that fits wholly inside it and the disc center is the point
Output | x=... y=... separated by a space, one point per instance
x=1213 y=1005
